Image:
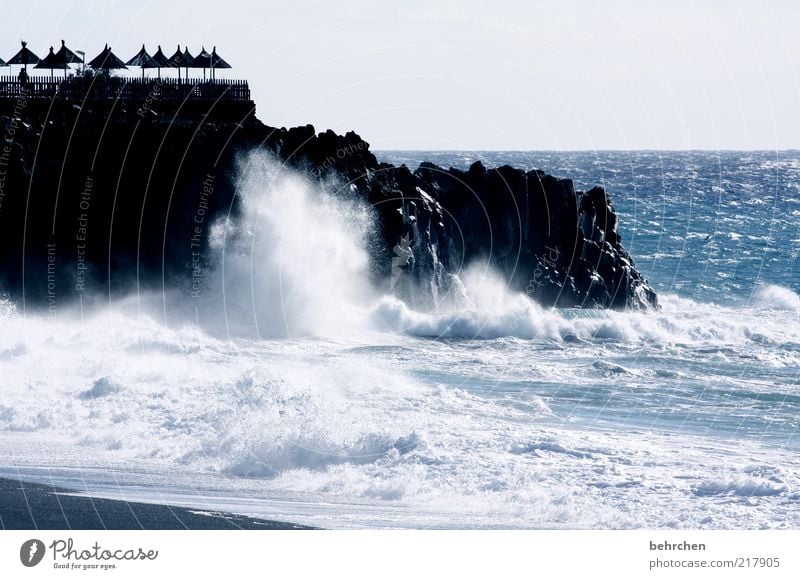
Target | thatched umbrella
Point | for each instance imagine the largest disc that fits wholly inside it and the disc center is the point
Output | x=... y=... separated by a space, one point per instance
x=61 y=59
x=188 y=61
x=177 y=61
x=66 y=56
x=52 y=61
x=106 y=60
x=161 y=59
x=143 y=60
x=24 y=57
x=203 y=60
x=217 y=62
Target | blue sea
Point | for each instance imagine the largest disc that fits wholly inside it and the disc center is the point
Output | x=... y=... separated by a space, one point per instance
x=301 y=393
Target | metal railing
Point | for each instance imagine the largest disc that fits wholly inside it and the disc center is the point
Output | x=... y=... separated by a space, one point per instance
x=129 y=89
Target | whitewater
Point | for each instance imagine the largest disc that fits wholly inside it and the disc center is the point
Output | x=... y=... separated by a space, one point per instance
x=293 y=389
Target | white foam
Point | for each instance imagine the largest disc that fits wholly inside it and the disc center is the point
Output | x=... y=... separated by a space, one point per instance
x=294 y=264
x=493 y=311
x=777 y=298
x=743 y=487
x=352 y=415
x=328 y=428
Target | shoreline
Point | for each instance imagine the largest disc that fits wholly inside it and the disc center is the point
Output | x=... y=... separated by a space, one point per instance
x=34 y=506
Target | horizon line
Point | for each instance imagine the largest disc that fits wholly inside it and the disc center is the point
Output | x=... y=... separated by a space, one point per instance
x=608 y=150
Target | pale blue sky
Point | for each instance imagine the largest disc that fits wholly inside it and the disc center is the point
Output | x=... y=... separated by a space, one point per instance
x=469 y=74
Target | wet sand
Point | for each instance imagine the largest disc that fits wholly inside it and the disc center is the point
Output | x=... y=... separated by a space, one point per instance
x=25 y=505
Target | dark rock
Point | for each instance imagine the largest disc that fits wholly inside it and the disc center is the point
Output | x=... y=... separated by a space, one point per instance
x=104 y=198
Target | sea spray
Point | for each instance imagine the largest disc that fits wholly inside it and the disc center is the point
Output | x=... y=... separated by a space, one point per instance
x=776 y=298
x=522 y=416
x=293 y=263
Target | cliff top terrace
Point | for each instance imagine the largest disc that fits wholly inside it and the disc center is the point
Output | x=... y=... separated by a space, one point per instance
x=85 y=88
x=103 y=78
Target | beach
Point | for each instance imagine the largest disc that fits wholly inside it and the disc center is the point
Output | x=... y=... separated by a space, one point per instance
x=25 y=505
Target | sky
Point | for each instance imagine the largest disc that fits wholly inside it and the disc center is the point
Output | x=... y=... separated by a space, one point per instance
x=471 y=74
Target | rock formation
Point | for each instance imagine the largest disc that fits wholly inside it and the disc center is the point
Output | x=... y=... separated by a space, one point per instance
x=97 y=196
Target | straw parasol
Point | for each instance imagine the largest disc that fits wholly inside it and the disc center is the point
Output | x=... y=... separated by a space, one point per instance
x=177 y=61
x=143 y=60
x=24 y=57
x=106 y=60
x=66 y=56
x=188 y=61
x=203 y=60
x=217 y=62
x=60 y=59
x=52 y=61
x=161 y=59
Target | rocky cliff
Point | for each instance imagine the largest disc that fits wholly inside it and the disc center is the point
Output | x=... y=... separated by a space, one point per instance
x=100 y=197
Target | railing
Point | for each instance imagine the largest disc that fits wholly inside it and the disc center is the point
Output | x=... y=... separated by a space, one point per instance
x=133 y=89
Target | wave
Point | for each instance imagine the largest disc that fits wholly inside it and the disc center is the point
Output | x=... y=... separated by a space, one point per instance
x=776 y=297
x=293 y=264
x=332 y=422
x=496 y=312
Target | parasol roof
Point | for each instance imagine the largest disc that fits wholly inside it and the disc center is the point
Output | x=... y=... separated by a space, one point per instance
x=178 y=60
x=51 y=61
x=143 y=60
x=106 y=60
x=217 y=61
x=188 y=59
x=203 y=60
x=66 y=56
x=24 y=56
x=161 y=58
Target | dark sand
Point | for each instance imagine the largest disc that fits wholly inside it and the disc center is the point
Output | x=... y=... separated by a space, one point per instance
x=25 y=505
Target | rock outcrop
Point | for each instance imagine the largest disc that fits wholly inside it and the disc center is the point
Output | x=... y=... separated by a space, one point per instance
x=98 y=196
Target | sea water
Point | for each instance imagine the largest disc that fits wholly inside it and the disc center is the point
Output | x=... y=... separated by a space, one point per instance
x=295 y=391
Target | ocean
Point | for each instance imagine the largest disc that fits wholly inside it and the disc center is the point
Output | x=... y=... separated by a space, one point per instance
x=300 y=393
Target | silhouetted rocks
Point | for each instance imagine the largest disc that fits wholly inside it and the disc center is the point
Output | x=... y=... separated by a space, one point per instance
x=97 y=197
